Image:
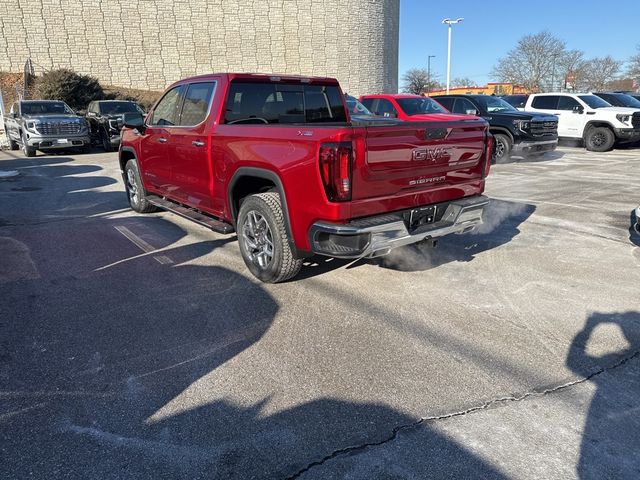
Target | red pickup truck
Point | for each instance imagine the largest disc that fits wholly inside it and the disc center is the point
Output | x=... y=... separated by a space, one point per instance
x=279 y=160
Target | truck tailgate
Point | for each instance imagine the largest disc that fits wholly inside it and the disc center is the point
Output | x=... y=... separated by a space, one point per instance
x=412 y=158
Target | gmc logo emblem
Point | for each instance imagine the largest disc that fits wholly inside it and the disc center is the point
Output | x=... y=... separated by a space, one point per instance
x=430 y=154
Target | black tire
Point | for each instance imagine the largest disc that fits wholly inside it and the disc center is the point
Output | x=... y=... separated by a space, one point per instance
x=135 y=191
x=26 y=149
x=13 y=145
x=599 y=139
x=265 y=211
x=106 y=143
x=502 y=147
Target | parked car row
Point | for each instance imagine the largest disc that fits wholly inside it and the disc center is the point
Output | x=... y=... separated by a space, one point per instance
x=51 y=125
x=601 y=119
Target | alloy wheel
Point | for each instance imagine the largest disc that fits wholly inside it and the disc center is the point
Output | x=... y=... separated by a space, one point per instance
x=132 y=187
x=258 y=239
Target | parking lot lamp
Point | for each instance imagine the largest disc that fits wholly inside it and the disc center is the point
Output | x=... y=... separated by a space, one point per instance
x=429 y=72
x=449 y=22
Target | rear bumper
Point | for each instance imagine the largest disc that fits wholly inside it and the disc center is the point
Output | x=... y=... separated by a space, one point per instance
x=535 y=146
x=378 y=235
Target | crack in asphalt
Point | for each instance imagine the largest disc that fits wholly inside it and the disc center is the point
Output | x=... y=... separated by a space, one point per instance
x=502 y=400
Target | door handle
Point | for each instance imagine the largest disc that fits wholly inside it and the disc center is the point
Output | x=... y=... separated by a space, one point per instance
x=197 y=143
x=162 y=140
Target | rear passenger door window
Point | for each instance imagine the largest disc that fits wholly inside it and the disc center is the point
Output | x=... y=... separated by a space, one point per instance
x=166 y=112
x=545 y=102
x=464 y=106
x=386 y=109
x=197 y=100
x=446 y=102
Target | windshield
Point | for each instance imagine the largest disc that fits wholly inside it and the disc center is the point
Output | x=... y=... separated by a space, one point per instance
x=355 y=107
x=495 y=104
x=45 y=108
x=593 y=101
x=627 y=100
x=110 y=108
x=419 y=106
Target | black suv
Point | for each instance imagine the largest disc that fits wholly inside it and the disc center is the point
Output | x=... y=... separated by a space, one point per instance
x=619 y=99
x=106 y=118
x=528 y=134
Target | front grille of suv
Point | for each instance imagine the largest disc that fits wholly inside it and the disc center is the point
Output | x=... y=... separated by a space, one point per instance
x=541 y=129
x=59 y=128
x=635 y=120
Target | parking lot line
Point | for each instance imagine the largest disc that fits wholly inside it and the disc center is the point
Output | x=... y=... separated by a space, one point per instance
x=142 y=245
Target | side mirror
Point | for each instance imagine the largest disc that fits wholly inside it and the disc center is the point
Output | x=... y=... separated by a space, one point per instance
x=578 y=109
x=471 y=111
x=134 y=121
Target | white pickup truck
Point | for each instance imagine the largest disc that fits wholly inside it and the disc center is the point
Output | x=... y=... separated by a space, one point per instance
x=589 y=118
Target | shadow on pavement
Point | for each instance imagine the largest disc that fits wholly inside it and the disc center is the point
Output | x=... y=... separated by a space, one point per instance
x=610 y=440
x=110 y=356
x=501 y=221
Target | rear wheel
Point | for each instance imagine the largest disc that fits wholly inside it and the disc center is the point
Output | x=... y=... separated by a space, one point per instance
x=599 y=139
x=502 y=147
x=263 y=239
x=13 y=145
x=135 y=191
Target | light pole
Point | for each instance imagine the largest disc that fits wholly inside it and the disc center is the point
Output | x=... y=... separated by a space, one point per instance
x=449 y=22
x=429 y=72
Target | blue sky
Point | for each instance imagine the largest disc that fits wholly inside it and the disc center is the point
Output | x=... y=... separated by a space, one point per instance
x=491 y=28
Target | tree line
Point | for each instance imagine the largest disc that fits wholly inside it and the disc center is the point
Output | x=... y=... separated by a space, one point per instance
x=542 y=62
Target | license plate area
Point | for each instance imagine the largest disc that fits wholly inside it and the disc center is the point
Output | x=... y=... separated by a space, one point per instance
x=419 y=217
x=62 y=141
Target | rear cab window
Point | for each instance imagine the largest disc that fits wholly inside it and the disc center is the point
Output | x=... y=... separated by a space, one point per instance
x=254 y=103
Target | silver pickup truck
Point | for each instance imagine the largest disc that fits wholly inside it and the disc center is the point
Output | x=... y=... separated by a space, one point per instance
x=45 y=125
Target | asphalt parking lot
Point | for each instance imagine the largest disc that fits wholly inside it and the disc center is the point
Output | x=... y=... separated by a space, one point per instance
x=139 y=346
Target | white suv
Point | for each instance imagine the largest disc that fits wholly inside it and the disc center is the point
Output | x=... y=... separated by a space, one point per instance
x=589 y=118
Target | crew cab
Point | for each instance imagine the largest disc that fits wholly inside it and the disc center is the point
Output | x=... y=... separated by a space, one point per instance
x=514 y=132
x=589 y=118
x=45 y=125
x=106 y=118
x=278 y=160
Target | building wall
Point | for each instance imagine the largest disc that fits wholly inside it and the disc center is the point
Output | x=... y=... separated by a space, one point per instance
x=149 y=44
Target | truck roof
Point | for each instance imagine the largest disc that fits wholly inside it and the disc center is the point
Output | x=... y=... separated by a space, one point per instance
x=254 y=77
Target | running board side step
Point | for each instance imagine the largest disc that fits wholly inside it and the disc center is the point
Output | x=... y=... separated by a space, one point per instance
x=190 y=214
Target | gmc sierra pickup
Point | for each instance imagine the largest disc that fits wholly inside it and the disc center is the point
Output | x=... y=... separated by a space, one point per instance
x=279 y=160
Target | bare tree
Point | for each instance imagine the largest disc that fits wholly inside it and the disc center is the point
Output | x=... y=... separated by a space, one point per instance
x=571 y=69
x=634 y=65
x=532 y=62
x=599 y=72
x=417 y=81
x=462 y=82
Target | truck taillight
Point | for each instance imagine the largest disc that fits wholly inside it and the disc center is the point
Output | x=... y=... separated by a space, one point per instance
x=488 y=155
x=335 y=169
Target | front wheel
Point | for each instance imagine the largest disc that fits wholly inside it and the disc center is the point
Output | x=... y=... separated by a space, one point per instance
x=263 y=239
x=26 y=149
x=135 y=191
x=502 y=147
x=106 y=142
x=599 y=139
